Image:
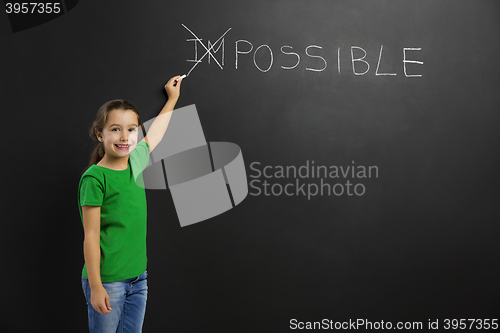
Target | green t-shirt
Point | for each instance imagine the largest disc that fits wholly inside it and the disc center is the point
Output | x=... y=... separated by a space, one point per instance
x=123 y=215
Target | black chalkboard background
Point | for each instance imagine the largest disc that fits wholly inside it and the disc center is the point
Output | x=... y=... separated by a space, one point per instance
x=420 y=244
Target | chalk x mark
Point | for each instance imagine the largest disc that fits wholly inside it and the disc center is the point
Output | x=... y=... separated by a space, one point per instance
x=208 y=49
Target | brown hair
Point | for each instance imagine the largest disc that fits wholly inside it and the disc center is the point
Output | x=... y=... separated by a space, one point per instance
x=100 y=120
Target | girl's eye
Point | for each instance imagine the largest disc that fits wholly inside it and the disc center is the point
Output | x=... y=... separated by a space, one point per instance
x=132 y=129
x=116 y=128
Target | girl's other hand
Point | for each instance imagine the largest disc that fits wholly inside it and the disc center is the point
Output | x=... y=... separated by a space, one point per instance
x=173 y=88
x=100 y=300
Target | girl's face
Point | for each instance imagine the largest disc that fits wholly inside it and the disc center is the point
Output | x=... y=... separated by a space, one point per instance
x=119 y=134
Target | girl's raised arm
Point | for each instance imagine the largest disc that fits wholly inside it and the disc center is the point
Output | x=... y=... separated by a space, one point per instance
x=160 y=124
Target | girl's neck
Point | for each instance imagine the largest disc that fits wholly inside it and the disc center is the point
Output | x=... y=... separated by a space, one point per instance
x=118 y=164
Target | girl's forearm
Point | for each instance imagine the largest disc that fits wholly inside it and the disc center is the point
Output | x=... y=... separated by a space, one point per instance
x=160 y=124
x=92 y=254
x=169 y=106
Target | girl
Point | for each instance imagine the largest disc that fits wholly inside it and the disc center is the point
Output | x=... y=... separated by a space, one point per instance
x=113 y=211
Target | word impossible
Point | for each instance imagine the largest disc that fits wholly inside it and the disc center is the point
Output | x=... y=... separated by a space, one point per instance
x=244 y=48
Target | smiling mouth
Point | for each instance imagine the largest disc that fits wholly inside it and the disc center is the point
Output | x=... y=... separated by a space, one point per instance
x=122 y=147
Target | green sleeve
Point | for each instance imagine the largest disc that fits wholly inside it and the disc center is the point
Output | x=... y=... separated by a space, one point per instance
x=139 y=158
x=91 y=192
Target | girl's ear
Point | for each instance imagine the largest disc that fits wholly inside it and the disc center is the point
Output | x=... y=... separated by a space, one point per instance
x=98 y=136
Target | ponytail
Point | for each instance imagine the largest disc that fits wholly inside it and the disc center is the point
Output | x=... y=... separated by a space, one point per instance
x=97 y=154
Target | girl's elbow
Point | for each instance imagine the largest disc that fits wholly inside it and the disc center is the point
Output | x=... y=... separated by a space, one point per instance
x=92 y=237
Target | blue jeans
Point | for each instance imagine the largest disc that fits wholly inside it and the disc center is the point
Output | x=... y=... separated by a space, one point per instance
x=127 y=299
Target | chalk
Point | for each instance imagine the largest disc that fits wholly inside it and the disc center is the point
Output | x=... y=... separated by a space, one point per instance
x=175 y=81
x=183 y=76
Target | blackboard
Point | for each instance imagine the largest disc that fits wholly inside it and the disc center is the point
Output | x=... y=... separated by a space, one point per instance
x=407 y=90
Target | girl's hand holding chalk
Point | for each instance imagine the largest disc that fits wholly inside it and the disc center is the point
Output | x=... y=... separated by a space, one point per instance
x=173 y=87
